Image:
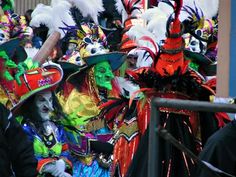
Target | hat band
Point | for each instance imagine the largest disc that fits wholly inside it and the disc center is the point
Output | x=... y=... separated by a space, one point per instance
x=172 y=51
x=171 y=60
x=26 y=83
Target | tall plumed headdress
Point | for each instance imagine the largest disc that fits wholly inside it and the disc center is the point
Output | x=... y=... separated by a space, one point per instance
x=92 y=47
x=162 y=37
x=58 y=14
x=54 y=16
x=131 y=11
x=89 y=8
x=171 y=52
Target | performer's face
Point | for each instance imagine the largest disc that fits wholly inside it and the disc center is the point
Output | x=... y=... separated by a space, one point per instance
x=138 y=58
x=44 y=105
x=103 y=75
x=72 y=46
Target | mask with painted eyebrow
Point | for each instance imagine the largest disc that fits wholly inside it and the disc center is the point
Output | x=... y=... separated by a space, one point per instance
x=44 y=104
x=103 y=75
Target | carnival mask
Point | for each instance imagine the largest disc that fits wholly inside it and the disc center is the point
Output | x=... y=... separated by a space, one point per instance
x=103 y=75
x=92 y=48
x=196 y=45
x=44 y=105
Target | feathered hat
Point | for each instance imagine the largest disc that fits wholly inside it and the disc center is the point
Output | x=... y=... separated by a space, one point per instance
x=131 y=12
x=167 y=53
x=54 y=16
x=172 y=57
x=201 y=35
x=58 y=14
x=89 y=8
x=92 y=48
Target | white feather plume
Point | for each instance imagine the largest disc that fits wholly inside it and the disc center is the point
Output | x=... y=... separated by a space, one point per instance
x=90 y=8
x=54 y=16
x=137 y=32
x=144 y=59
x=127 y=86
x=209 y=7
x=40 y=8
x=42 y=15
x=62 y=16
x=156 y=20
x=155 y=28
x=120 y=8
x=165 y=8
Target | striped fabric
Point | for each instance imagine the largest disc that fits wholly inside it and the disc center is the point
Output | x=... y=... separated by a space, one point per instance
x=22 y=5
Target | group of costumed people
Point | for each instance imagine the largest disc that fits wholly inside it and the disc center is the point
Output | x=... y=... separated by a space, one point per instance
x=78 y=77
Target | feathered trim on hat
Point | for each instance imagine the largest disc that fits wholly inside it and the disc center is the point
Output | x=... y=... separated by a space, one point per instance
x=190 y=83
x=209 y=8
x=131 y=11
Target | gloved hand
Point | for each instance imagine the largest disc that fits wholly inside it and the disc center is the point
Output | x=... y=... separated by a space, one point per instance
x=66 y=175
x=60 y=167
x=56 y=169
x=49 y=168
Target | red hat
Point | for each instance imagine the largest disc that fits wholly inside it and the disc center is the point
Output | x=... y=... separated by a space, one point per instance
x=133 y=19
x=172 y=56
x=33 y=81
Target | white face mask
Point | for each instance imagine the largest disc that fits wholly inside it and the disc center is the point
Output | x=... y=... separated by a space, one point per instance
x=72 y=46
x=44 y=105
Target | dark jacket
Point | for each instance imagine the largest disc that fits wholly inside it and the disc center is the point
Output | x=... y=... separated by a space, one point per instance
x=16 y=151
x=220 y=151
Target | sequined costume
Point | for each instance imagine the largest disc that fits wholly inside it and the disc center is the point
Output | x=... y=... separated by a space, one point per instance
x=171 y=77
x=123 y=120
x=33 y=112
x=89 y=137
x=81 y=137
x=48 y=148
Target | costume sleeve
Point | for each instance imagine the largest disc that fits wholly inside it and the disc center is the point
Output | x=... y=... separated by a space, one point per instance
x=219 y=151
x=65 y=153
x=21 y=149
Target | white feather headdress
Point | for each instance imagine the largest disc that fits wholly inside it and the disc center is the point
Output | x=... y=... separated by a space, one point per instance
x=90 y=8
x=156 y=19
x=209 y=7
x=55 y=16
x=129 y=8
x=121 y=9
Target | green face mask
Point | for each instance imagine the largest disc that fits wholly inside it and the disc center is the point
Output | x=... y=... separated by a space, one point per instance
x=103 y=75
